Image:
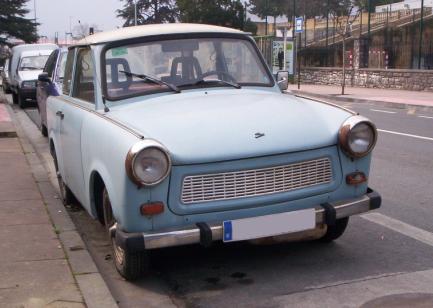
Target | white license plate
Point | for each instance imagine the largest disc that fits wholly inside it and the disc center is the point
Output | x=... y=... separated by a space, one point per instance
x=269 y=225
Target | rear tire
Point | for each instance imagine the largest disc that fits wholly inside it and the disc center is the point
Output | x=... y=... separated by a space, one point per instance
x=130 y=265
x=14 y=98
x=66 y=194
x=334 y=232
x=6 y=89
x=21 y=101
x=44 y=130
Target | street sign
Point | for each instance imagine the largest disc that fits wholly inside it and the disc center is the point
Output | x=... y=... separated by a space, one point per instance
x=299 y=25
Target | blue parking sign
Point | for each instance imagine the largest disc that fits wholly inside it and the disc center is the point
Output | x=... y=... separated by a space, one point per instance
x=299 y=25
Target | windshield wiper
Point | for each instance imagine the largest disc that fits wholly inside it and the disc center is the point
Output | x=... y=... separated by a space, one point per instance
x=203 y=81
x=153 y=79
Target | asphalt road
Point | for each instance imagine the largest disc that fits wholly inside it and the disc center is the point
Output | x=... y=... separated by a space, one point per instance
x=388 y=252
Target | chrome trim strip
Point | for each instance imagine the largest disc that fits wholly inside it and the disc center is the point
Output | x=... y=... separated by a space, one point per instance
x=132 y=154
x=191 y=235
x=115 y=122
x=326 y=103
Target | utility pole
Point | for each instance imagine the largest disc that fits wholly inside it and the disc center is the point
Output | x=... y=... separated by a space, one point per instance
x=135 y=12
x=368 y=34
x=327 y=32
x=266 y=18
x=421 y=30
x=36 y=20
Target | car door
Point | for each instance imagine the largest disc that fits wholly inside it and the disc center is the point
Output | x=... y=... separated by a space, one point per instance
x=75 y=108
x=46 y=89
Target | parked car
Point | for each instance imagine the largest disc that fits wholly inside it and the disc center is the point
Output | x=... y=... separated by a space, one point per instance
x=179 y=134
x=5 y=77
x=50 y=83
x=26 y=64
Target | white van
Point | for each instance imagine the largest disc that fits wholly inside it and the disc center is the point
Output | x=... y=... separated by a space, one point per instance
x=26 y=64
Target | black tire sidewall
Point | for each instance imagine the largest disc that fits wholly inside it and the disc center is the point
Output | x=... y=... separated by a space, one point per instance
x=135 y=264
x=334 y=232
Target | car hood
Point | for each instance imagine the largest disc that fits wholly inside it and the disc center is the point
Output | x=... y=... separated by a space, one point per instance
x=221 y=125
x=29 y=75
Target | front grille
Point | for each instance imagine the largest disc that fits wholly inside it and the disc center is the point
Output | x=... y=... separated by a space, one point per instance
x=255 y=182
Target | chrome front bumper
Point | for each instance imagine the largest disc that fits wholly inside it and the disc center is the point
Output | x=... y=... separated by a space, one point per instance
x=207 y=233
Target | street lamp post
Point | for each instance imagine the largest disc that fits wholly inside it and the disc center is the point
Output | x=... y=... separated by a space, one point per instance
x=135 y=12
x=421 y=30
x=36 y=22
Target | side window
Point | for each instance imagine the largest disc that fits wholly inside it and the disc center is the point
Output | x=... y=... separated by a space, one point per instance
x=61 y=67
x=83 y=81
x=68 y=72
x=51 y=63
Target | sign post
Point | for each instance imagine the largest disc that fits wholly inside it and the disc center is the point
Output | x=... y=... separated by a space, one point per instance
x=299 y=28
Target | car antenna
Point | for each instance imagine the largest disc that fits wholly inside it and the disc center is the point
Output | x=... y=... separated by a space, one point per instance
x=106 y=109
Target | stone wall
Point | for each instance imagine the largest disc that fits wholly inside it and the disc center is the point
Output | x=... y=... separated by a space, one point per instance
x=416 y=80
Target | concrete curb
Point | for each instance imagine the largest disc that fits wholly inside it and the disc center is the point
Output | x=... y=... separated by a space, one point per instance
x=92 y=286
x=334 y=98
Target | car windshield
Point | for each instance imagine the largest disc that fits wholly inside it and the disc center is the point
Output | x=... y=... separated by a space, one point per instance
x=183 y=63
x=33 y=63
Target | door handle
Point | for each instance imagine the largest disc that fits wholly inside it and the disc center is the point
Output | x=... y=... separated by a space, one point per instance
x=60 y=114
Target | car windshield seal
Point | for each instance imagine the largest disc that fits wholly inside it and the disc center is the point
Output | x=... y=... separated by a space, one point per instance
x=203 y=81
x=153 y=79
x=30 y=68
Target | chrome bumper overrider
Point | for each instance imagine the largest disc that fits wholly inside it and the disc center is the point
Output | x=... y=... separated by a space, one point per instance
x=206 y=233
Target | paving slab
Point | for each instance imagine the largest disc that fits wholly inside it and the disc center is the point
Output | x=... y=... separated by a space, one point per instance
x=56 y=238
x=10 y=145
x=383 y=97
x=23 y=213
x=38 y=284
x=93 y=287
x=79 y=257
x=29 y=242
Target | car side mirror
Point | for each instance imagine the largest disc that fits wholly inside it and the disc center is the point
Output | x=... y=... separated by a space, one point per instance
x=44 y=78
x=283 y=80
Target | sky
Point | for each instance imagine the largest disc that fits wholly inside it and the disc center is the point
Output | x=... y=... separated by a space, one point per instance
x=55 y=15
x=62 y=15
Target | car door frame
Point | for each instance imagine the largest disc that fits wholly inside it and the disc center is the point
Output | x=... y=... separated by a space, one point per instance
x=75 y=111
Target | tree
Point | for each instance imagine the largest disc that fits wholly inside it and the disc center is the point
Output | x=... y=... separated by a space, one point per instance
x=214 y=12
x=265 y=8
x=148 y=12
x=13 y=24
x=345 y=12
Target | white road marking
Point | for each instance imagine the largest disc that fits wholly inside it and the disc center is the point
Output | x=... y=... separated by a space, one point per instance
x=400 y=227
x=403 y=134
x=425 y=117
x=384 y=111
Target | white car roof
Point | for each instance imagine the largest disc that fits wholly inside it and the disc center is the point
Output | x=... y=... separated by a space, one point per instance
x=150 y=30
x=26 y=47
x=33 y=53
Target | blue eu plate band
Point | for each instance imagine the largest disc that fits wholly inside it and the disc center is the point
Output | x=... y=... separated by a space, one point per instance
x=228 y=231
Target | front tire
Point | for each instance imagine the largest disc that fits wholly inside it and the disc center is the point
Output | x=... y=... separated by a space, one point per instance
x=21 y=101
x=44 y=130
x=66 y=194
x=334 y=232
x=130 y=265
x=14 y=98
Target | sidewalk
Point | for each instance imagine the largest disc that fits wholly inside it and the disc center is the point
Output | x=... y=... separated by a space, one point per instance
x=385 y=97
x=43 y=261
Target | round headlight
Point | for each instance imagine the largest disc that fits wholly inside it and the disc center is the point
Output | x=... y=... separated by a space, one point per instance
x=148 y=163
x=357 y=136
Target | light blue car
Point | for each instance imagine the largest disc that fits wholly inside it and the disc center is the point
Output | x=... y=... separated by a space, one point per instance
x=178 y=134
